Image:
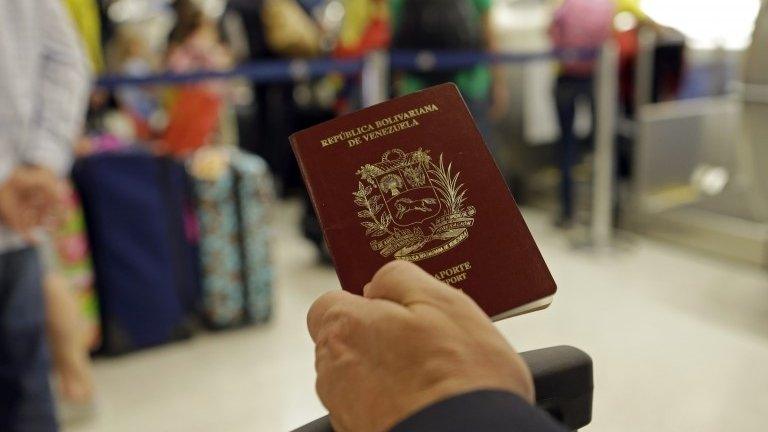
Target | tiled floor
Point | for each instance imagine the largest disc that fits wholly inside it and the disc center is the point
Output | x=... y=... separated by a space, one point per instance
x=680 y=343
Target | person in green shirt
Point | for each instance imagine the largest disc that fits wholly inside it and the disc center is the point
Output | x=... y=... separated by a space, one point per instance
x=475 y=83
x=482 y=86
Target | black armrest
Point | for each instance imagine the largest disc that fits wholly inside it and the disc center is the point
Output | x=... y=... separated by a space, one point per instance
x=563 y=379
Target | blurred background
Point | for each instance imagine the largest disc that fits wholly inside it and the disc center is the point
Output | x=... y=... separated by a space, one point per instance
x=632 y=133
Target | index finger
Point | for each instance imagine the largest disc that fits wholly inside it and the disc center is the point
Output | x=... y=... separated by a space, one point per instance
x=326 y=302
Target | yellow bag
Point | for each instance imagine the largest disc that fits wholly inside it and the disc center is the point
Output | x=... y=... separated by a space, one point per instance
x=289 y=30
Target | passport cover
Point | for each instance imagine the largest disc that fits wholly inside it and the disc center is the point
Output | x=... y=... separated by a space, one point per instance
x=412 y=179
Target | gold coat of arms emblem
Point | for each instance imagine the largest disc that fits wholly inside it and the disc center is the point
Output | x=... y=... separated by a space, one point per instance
x=412 y=207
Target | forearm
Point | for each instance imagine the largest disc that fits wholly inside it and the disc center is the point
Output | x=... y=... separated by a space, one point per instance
x=482 y=411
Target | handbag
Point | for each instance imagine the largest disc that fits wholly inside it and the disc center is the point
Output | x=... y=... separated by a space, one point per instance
x=193 y=120
x=289 y=30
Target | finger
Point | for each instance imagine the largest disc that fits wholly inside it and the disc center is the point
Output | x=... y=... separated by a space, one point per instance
x=405 y=283
x=50 y=216
x=30 y=221
x=337 y=425
x=335 y=300
x=44 y=203
x=32 y=216
x=48 y=193
x=31 y=237
x=22 y=218
x=21 y=221
x=14 y=220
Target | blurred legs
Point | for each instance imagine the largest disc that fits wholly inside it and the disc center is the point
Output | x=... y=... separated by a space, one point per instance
x=69 y=344
x=25 y=397
x=567 y=92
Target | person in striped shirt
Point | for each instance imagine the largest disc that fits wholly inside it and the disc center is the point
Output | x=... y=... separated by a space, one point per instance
x=44 y=83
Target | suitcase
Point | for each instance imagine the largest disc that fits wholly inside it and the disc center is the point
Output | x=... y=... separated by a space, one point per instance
x=145 y=262
x=233 y=206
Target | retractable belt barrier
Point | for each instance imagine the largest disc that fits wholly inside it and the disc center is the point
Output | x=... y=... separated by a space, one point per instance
x=275 y=71
x=374 y=70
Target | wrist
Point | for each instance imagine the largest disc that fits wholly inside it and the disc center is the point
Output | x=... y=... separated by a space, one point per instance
x=55 y=163
x=485 y=409
x=455 y=388
x=39 y=168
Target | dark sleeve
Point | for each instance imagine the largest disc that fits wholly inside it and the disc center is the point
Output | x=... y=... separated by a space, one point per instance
x=481 y=411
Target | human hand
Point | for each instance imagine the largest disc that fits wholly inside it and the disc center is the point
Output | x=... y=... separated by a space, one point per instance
x=30 y=198
x=409 y=342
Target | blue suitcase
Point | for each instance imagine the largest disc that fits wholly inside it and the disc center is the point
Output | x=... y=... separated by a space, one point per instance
x=234 y=209
x=145 y=263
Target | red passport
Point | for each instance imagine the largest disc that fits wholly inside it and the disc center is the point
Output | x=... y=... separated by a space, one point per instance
x=412 y=179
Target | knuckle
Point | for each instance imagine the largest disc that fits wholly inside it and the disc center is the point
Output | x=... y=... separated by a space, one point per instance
x=444 y=293
x=336 y=333
x=449 y=296
x=333 y=314
x=338 y=325
x=390 y=269
x=319 y=308
x=460 y=298
x=337 y=315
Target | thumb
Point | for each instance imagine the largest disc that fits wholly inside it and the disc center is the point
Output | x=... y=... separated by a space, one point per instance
x=405 y=283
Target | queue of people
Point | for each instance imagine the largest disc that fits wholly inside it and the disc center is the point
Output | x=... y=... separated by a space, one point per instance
x=48 y=60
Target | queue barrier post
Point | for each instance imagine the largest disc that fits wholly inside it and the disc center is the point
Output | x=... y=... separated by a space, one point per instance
x=375 y=78
x=644 y=71
x=604 y=172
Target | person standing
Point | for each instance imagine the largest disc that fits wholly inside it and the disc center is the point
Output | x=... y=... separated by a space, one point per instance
x=44 y=81
x=577 y=25
x=455 y=25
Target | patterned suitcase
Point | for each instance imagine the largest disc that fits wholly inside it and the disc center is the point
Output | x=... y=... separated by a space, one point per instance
x=235 y=193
